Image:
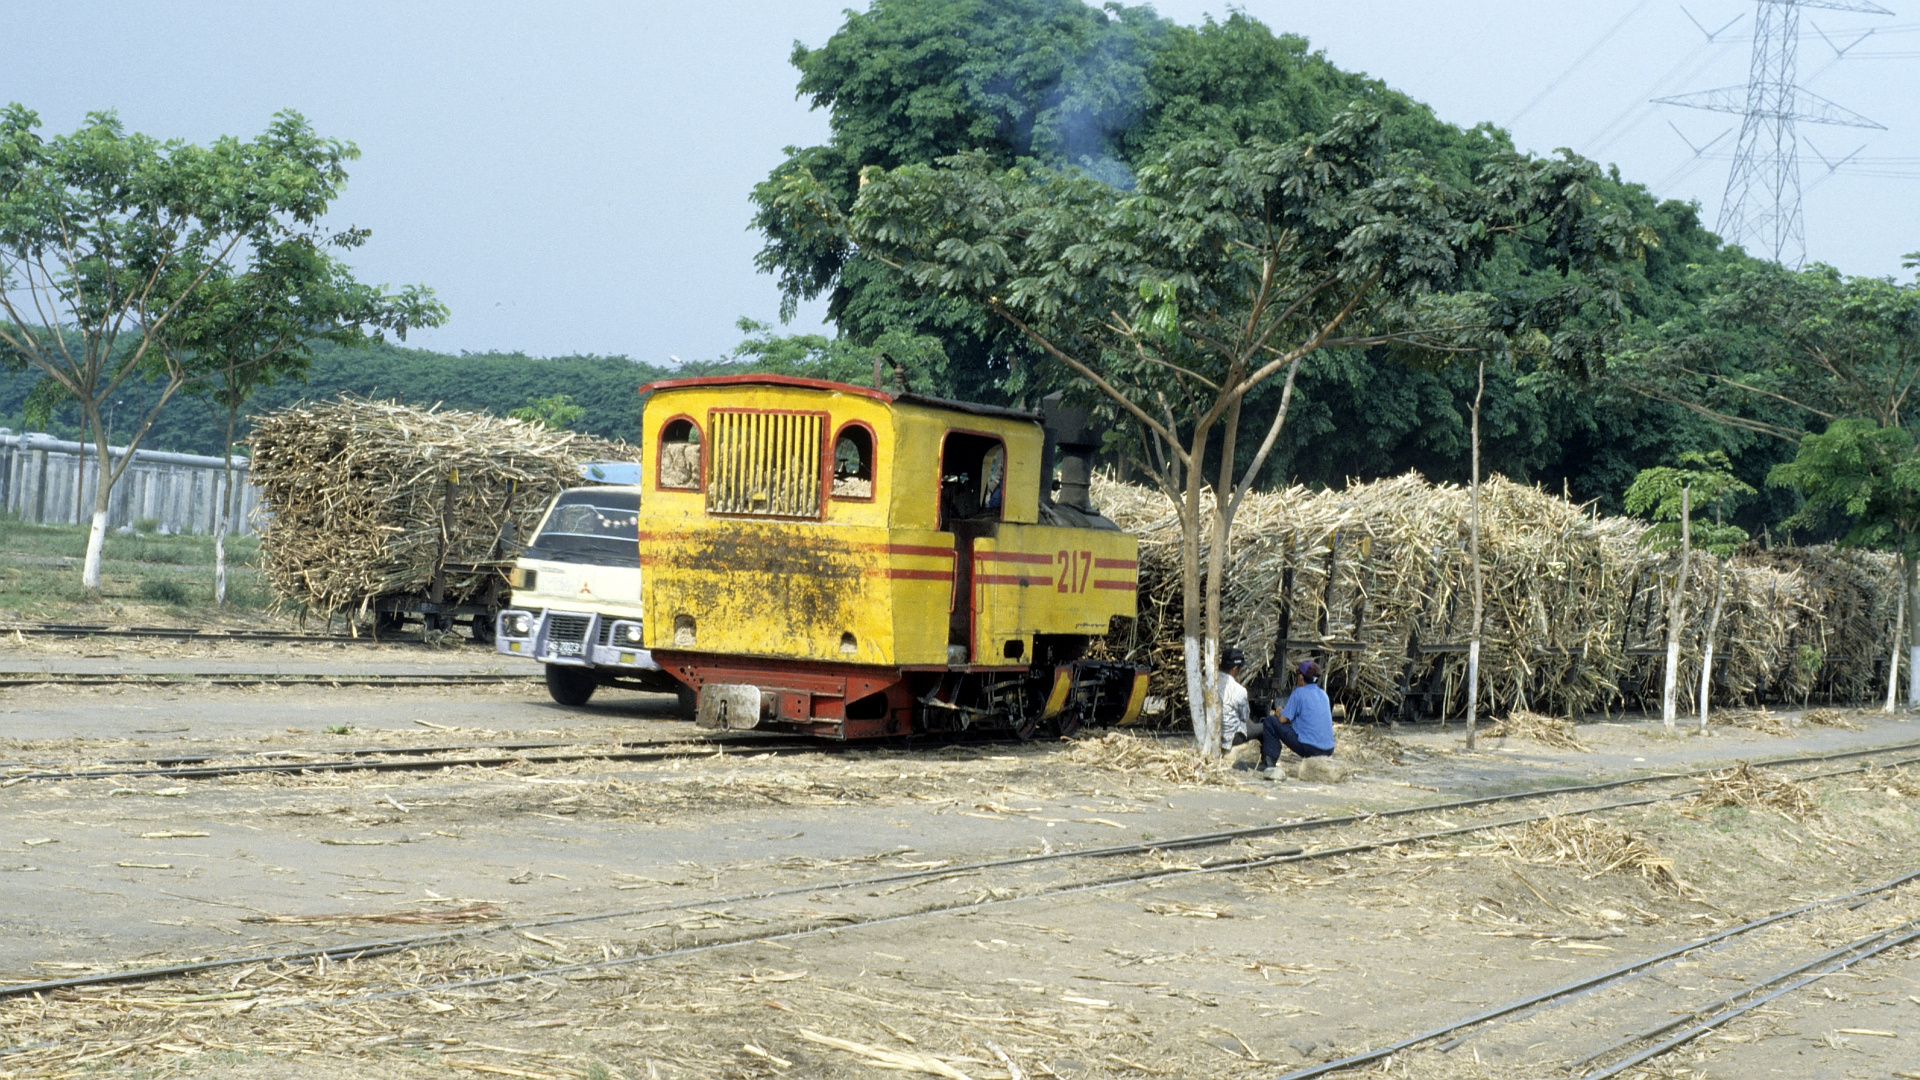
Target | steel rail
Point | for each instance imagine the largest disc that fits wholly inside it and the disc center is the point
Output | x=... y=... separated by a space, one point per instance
x=1177 y=842
x=1837 y=960
x=1580 y=987
x=412 y=761
x=377 y=948
x=849 y=923
x=79 y=630
x=230 y=678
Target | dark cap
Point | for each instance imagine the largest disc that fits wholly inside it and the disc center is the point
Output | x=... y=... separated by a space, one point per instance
x=1310 y=670
x=1231 y=658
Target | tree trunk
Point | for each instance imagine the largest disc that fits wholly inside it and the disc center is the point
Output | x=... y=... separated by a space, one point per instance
x=1713 y=630
x=1203 y=693
x=1473 y=548
x=225 y=512
x=1893 y=659
x=102 y=491
x=1913 y=631
x=1220 y=530
x=1676 y=610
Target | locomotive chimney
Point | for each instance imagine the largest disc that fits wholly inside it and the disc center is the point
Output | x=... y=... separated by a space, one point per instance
x=1072 y=442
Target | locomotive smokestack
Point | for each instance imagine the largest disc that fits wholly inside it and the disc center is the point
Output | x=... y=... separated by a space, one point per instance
x=1072 y=443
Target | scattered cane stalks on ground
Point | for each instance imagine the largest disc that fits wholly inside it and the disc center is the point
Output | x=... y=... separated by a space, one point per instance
x=1595 y=847
x=1122 y=753
x=1742 y=787
x=1546 y=730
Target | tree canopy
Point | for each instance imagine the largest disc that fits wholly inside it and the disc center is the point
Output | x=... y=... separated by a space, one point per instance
x=914 y=81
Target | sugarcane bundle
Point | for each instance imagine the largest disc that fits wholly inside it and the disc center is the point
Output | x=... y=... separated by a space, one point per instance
x=1375 y=581
x=368 y=498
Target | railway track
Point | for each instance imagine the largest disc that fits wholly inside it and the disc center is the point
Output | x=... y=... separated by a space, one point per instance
x=190 y=678
x=1235 y=864
x=182 y=633
x=490 y=755
x=1640 y=1046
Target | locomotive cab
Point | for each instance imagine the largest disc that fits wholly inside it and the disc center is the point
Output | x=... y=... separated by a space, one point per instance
x=856 y=563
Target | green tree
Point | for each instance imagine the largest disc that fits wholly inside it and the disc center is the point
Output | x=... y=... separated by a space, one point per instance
x=555 y=411
x=245 y=328
x=1782 y=352
x=1670 y=496
x=105 y=235
x=1224 y=269
x=913 y=361
x=1868 y=472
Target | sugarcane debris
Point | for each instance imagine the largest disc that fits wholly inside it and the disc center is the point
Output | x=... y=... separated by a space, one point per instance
x=1594 y=847
x=1123 y=753
x=1545 y=730
x=1741 y=787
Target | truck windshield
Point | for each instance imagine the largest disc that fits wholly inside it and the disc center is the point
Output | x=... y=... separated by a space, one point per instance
x=598 y=527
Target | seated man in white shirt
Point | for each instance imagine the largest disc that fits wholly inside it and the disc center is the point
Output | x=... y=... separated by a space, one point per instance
x=1236 y=723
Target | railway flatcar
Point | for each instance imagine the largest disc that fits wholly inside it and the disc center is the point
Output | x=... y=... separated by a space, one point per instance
x=853 y=563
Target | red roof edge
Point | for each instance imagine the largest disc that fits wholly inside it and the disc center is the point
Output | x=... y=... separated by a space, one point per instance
x=768 y=380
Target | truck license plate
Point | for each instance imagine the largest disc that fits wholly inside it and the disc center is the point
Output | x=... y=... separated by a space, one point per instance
x=565 y=648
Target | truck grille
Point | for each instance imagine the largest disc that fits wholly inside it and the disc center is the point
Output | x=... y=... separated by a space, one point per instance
x=568 y=628
x=765 y=464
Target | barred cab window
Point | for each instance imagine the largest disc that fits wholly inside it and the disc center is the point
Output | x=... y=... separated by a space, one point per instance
x=766 y=462
x=680 y=455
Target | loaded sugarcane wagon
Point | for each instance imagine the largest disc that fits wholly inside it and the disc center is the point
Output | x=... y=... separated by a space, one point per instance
x=395 y=516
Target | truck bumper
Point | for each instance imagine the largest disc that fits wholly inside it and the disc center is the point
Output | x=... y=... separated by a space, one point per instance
x=572 y=639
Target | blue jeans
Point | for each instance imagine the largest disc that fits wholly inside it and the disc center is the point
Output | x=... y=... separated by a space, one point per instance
x=1275 y=733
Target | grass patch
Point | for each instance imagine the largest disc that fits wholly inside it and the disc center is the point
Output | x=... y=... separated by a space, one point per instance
x=166 y=591
x=172 y=575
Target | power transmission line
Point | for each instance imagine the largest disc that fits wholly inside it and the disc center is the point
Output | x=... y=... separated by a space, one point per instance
x=1584 y=57
x=1761 y=207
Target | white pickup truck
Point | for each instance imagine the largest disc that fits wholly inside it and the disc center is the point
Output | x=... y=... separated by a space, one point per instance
x=576 y=599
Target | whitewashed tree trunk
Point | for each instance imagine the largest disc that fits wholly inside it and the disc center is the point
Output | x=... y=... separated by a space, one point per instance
x=1676 y=610
x=1713 y=632
x=1473 y=547
x=225 y=512
x=96 y=544
x=1911 y=594
x=1893 y=660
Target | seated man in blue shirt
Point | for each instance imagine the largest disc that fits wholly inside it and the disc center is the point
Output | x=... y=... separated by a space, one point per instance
x=1304 y=726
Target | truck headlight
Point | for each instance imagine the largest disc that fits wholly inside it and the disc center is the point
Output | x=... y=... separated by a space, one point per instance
x=523 y=624
x=633 y=633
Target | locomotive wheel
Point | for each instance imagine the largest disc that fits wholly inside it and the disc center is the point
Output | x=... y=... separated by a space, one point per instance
x=570 y=686
x=1027 y=727
x=1070 y=723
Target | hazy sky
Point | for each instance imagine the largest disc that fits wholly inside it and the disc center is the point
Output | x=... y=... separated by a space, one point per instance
x=573 y=177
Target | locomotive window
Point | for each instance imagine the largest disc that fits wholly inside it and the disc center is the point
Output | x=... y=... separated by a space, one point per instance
x=680 y=455
x=853 y=463
x=973 y=475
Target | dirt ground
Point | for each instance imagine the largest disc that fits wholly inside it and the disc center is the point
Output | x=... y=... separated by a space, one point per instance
x=796 y=961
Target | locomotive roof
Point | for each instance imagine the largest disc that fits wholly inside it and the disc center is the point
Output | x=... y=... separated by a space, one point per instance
x=890 y=397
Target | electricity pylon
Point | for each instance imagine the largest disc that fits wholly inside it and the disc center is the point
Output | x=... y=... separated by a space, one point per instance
x=1761 y=207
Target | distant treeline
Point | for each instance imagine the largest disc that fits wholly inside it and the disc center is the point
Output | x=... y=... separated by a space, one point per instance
x=606 y=386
